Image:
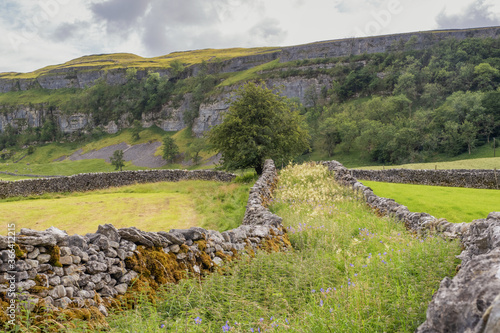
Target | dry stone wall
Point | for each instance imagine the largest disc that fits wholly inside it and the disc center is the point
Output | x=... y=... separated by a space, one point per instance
x=55 y=270
x=470 y=302
x=96 y=181
x=486 y=179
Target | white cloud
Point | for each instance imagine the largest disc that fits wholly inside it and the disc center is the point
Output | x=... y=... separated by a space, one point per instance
x=36 y=33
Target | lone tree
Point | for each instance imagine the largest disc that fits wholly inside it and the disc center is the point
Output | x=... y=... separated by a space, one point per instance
x=259 y=124
x=170 y=149
x=117 y=159
x=194 y=150
x=136 y=129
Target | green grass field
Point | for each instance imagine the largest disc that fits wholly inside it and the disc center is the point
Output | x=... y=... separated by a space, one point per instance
x=481 y=158
x=479 y=163
x=149 y=207
x=453 y=203
x=350 y=271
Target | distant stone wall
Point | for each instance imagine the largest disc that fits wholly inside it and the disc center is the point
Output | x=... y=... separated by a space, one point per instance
x=54 y=270
x=470 y=302
x=486 y=179
x=97 y=181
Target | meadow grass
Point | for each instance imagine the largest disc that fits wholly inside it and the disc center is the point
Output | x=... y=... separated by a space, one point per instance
x=452 y=203
x=351 y=271
x=64 y=168
x=39 y=96
x=149 y=207
x=249 y=74
x=481 y=158
x=478 y=163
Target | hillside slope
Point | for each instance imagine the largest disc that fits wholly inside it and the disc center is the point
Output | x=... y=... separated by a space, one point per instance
x=390 y=99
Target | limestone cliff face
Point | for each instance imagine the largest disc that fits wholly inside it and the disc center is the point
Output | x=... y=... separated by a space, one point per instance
x=211 y=114
x=71 y=78
x=80 y=77
x=23 y=117
x=171 y=117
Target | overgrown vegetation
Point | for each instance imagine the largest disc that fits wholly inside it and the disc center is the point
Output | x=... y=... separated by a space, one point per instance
x=351 y=271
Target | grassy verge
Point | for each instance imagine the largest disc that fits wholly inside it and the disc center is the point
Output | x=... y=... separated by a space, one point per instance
x=453 y=203
x=149 y=207
x=249 y=74
x=479 y=163
x=64 y=168
x=350 y=272
x=481 y=158
x=39 y=96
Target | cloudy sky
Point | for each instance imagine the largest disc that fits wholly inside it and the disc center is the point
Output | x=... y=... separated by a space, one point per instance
x=37 y=33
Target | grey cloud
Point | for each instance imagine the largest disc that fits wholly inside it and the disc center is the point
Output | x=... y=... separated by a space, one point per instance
x=350 y=6
x=477 y=14
x=173 y=24
x=268 y=31
x=161 y=24
x=67 y=31
x=120 y=15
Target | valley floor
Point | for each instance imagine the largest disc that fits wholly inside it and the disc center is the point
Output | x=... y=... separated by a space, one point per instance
x=350 y=271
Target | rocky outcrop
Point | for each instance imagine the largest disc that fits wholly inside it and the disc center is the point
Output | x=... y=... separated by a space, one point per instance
x=486 y=179
x=72 y=77
x=470 y=302
x=22 y=117
x=171 y=117
x=377 y=44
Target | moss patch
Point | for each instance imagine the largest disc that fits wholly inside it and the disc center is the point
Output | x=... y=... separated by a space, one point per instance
x=157 y=266
x=55 y=255
x=20 y=251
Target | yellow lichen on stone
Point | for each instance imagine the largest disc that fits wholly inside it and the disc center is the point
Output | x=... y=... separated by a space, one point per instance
x=20 y=251
x=202 y=244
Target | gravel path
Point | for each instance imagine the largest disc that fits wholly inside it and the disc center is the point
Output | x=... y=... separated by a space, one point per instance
x=140 y=155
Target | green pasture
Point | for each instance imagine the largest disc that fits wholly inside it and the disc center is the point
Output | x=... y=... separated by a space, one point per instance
x=483 y=157
x=149 y=207
x=452 y=203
